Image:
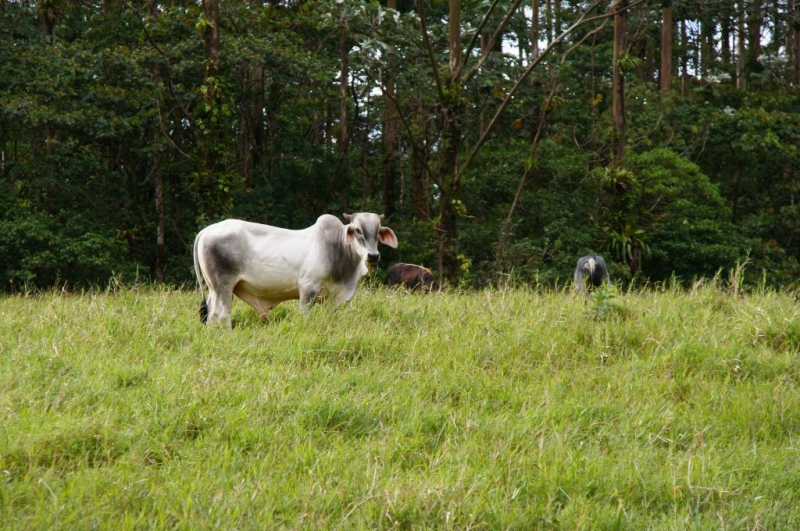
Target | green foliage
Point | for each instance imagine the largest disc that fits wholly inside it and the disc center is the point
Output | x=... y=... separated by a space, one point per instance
x=603 y=303
x=629 y=63
x=39 y=250
x=628 y=245
x=556 y=222
x=116 y=105
x=665 y=209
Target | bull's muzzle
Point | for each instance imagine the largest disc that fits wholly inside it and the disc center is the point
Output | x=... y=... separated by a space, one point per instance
x=373 y=257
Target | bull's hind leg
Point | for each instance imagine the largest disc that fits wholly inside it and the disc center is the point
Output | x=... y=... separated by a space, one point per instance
x=220 y=306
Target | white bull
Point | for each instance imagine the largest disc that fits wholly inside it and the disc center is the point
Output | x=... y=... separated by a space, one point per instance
x=265 y=265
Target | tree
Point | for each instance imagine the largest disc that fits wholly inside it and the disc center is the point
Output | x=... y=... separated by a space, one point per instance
x=741 y=51
x=126 y=127
x=793 y=40
x=620 y=10
x=390 y=139
x=666 y=47
x=451 y=107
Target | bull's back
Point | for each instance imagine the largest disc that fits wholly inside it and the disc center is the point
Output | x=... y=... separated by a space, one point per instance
x=266 y=259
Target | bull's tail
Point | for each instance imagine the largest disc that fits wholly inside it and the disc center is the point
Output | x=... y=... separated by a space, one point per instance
x=200 y=282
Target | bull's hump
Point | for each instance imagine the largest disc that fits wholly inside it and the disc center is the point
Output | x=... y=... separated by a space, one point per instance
x=327 y=221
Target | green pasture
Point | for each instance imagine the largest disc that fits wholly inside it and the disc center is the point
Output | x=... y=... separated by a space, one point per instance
x=497 y=409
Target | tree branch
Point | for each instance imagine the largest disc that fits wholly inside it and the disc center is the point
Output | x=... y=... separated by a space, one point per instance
x=429 y=49
x=477 y=34
x=582 y=20
x=531 y=155
x=407 y=127
x=498 y=32
x=152 y=42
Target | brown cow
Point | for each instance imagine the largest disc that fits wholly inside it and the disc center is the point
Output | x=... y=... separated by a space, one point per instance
x=411 y=276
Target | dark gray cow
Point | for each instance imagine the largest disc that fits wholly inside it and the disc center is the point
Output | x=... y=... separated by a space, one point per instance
x=591 y=272
x=265 y=265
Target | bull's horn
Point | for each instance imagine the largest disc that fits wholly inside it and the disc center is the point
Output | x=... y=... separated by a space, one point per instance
x=348 y=217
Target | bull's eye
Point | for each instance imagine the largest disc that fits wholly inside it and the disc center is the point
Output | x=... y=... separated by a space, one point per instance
x=358 y=231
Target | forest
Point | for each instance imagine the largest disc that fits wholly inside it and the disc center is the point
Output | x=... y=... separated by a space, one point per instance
x=502 y=139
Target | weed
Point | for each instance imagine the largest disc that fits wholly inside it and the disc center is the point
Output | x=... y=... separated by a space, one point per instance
x=603 y=303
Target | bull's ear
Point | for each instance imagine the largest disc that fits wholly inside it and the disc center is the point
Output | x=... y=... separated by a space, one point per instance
x=347 y=217
x=350 y=234
x=386 y=236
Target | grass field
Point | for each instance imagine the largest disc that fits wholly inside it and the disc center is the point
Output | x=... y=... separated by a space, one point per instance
x=508 y=409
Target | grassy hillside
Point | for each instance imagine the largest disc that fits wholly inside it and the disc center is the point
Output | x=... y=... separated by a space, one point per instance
x=510 y=409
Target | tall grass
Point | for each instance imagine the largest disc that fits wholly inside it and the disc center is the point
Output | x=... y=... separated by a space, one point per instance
x=509 y=409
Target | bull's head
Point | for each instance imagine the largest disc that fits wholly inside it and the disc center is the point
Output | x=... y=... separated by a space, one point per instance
x=365 y=229
x=589 y=266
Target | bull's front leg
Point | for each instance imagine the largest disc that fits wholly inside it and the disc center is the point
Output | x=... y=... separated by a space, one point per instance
x=309 y=292
x=307 y=298
x=346 y=293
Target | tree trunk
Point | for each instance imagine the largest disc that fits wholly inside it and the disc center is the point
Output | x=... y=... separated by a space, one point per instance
x=211 y=40
x=646 y=52
x=343 y=74
x=328 y=127
x=793 y=41
x=741 y=82
x=257 y=123
x=666 y=47
x=485 y=51
x=447 y=225
x=161 y=246
x=755 y=20
x=534 y=29
x=454 y=41
x=389 y=149
x=725 y=42
x=267 y=154
x=557 y=18
x=548 y=20
x=342 y=168
x=246 y=126
x=684 y=59
x=49 y=21
x=419 y=184
x=618 y=81
x=158 y=177
x=707 y=31
x=258 y=126
x=390 y=141
x=778 y=29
